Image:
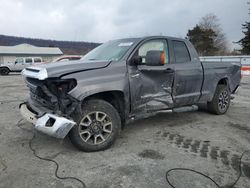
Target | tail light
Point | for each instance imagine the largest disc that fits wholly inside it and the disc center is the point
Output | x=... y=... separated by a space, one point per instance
x=241 y=72
x=245 y=70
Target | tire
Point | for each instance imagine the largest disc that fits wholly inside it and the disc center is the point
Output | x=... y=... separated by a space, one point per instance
x=99 y=125
x=221 y=100
x=4 y=71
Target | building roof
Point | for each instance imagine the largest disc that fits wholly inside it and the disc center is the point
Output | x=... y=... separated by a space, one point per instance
x=28 y=49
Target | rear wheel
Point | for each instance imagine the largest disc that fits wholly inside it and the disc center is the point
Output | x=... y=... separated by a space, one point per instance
x=97 y=127
x=221 y=100
x=4 y=71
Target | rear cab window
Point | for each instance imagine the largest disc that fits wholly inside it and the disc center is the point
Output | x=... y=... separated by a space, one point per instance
x=181 y=52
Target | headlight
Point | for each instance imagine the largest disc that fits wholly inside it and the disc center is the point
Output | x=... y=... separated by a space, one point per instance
x=35 y=72
x=61 y=86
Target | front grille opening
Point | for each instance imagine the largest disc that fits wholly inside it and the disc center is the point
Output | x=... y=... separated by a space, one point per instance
x=40 y=96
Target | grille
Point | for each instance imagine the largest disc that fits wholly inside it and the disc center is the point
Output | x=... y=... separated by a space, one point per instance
x=37 y=93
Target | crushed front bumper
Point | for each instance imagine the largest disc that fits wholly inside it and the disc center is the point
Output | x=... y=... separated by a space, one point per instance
x=48 y=123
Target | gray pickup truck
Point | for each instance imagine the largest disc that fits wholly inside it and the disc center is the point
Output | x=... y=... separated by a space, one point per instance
x=119 y=82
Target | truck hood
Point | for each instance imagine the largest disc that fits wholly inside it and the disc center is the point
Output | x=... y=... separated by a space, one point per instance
x=59 y=69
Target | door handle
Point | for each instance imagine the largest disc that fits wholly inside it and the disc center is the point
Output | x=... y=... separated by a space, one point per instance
x=169 y=70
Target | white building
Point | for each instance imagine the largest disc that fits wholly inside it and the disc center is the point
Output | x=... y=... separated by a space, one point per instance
x=10 y=53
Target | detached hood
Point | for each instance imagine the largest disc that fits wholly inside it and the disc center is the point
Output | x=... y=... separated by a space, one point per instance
x=58 y=69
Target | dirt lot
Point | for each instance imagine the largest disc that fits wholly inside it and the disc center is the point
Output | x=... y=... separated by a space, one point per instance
x=141 y=156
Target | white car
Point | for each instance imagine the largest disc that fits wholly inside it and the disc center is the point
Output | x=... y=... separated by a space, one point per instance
x=19 y=64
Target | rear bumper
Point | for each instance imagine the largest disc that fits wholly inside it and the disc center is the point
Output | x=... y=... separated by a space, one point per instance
x=48 y=123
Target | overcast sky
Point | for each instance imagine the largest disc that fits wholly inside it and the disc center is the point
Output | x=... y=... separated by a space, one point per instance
x=102 y=20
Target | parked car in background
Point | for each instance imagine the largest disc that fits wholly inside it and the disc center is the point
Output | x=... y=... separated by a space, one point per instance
x=19 y=64
x=67 y=58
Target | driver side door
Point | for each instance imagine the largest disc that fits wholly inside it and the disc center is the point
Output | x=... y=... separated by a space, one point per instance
x=150 y=85
x=19 y=64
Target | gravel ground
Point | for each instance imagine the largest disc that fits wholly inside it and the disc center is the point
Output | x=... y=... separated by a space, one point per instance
x=141 y=156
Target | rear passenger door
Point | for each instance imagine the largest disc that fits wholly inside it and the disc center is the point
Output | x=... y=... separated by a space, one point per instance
x=188 y=76
x=28 y=62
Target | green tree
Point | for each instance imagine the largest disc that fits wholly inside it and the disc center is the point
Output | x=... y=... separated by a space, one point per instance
x=245 y=41
x=203 y=40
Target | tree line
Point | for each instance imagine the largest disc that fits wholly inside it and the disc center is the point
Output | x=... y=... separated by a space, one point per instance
x=209 y=39
x=67 y=47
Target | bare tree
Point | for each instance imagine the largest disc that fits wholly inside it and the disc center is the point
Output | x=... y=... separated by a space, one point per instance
x=211 y=21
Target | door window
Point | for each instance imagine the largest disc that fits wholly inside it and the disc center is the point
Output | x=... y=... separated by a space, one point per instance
x=28 y=60
x=19 y=60
x=159 y=45
x=74 y=58
x=64 y=59
x=181 y=52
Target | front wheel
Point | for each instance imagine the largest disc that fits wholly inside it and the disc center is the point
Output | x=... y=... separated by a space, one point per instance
x=97 y=127
x=221 y=100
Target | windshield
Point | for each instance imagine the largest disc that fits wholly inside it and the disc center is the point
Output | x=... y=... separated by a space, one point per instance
x=111 y=51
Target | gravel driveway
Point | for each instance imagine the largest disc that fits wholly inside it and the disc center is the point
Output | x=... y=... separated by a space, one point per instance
x=141 y=156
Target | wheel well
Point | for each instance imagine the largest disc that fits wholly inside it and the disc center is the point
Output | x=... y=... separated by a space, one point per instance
x=223 y=81
x=116 y=98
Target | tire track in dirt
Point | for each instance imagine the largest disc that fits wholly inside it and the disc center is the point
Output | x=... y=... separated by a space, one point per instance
x=205 y=150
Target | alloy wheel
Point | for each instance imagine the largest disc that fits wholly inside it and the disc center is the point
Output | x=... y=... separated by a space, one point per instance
x=95 y=127
x=223 y=100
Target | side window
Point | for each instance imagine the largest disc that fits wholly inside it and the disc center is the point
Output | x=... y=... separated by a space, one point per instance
x=37 y=60
x=181 y=52
x=160 y=45
x=64 y=59
x=74 y=58
x=28 y=60
x=19 y=60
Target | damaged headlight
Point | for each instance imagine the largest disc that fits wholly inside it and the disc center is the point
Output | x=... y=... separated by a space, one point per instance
x=61 y=86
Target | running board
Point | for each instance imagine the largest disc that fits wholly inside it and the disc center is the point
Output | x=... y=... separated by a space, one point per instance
x=181 y=109
x=174 y=110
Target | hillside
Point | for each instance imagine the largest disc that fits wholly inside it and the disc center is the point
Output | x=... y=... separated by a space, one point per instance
x=67 y=47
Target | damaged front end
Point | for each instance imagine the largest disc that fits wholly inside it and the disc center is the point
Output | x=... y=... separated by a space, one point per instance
x=49 y=106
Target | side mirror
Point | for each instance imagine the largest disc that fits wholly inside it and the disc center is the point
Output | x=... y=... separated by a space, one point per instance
x=137 y=60
x=155 y=58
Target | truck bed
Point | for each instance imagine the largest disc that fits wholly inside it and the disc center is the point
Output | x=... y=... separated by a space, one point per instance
x=214 y=72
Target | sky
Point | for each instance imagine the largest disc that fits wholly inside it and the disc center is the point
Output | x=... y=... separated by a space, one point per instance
x=103 y=20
